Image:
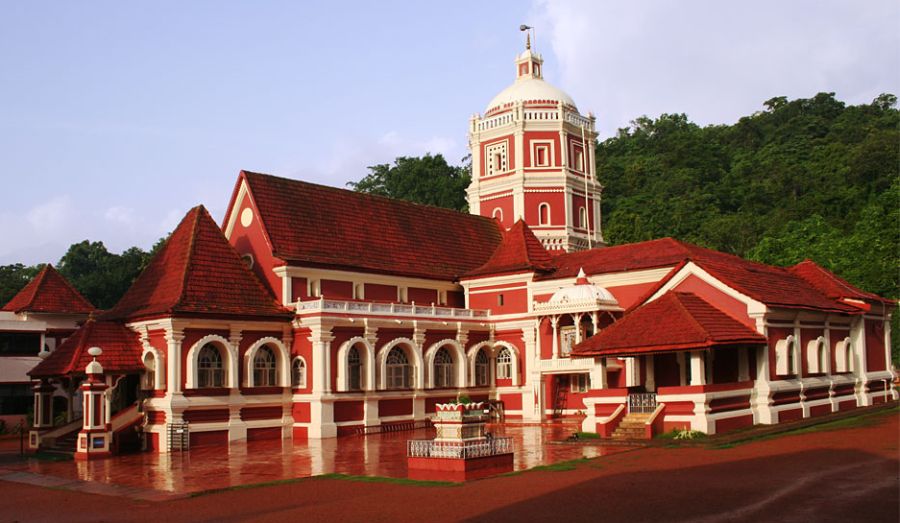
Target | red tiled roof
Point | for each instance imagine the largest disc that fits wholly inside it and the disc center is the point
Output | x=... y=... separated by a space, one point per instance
x=323 y=226
x=49 y=292
x=676 y=321
x=197 y=272
x=774 y=286
x=121 y=351
x=831 y=285
x=519 y=251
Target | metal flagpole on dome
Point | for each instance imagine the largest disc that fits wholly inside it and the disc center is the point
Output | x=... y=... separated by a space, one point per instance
x=584 y=168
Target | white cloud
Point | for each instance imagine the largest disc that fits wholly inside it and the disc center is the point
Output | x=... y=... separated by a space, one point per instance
x=717 y=61
x=53 y=216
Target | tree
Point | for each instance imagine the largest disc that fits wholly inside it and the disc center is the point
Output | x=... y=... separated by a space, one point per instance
x=102 y=277
x=427 y=180
x=13 y=278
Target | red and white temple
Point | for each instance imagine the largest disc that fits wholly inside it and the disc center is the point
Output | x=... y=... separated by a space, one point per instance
x=314 y=311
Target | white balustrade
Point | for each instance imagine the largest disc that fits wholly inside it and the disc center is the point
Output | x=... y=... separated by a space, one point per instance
x=393 y=309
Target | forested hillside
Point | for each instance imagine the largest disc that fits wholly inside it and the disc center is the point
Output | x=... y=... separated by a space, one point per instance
x=808 y=178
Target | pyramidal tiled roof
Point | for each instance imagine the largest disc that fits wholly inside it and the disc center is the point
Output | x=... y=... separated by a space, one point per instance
x=321 y=226
x=519 y=250
x=121 y=350
x=676 y=321
x=49 y=292
x=197 y=272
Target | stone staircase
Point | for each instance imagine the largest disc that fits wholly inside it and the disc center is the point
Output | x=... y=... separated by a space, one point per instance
x=632 y=426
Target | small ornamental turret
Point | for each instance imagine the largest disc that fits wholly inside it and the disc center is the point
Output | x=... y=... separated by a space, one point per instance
x=94 y=438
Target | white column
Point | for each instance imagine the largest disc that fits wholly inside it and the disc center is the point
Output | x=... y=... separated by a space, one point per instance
x=554 y=321
x=698 y=368
x=174 y=337
x=598 y=374
x=743 y=367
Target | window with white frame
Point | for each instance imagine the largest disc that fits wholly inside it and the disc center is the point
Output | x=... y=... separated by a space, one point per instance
x=482 y=369
x=544 y=214
x=577 y=158
x=148 y=379
x=843 y=356
x=498 y=214
x=443 y=368
x=567 y=340
x=579 y=383
x=785 y=360
x=817 y=356
x=298 y=373
x=397 y=370
x=582 y=218
x=210 y=369
x=265 y=368
x=504 y=364
x=541 y=154
x=354 y=369
x=495 y=158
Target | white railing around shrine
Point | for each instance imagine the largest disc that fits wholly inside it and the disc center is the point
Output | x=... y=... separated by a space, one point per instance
x=428 y=448
x=393 y=309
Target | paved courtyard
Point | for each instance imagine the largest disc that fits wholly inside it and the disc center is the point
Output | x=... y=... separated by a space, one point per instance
x=242 y=463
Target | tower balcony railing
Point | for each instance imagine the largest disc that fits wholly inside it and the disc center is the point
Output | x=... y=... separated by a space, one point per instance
x=535 y=115
x=368 y=308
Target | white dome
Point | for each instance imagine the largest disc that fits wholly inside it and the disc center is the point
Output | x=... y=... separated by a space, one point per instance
x=530 y=89
x=583 y=293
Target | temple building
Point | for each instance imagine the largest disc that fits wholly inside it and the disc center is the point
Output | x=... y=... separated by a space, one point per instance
x=315 y=312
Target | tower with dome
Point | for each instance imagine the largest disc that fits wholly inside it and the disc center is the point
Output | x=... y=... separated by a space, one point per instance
x=533 y=160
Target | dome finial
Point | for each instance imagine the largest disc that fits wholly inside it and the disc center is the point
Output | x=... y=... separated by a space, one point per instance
x=581 y=279
x=527 y=30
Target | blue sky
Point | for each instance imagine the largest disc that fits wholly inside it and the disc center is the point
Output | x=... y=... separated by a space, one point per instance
x=117 y=117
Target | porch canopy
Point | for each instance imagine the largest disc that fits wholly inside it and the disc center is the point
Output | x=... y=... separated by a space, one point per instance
x=676 y=321
x=121 y=351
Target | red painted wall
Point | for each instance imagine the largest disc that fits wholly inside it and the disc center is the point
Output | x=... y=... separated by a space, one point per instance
x=395 y=407
x=456 y=299
x=298 y=289
x=376 y=292
x=252 y=240
x=514 y=301
x=557 y=201
x=543 y=137
x=301 y=346
x=875 y=345
x=422 y=296
x=627 y=295
x=722 y=301
x=348 y=411
x=510 y=153
x=337 y=290
x=505 y=203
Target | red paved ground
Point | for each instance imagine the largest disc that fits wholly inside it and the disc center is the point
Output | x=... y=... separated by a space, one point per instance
x=838 y=475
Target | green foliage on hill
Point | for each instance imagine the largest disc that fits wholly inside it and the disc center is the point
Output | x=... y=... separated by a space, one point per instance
x=429 y=180
x=807 y=178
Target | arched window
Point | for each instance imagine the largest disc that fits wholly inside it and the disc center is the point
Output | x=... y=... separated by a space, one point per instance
x=443 y=368
x=148 y=381
x=582 y=217
x=544 y=214
x=354 y=369
x=498 y=214
x=264 y=368
x=397 y=370
x=210 y=371
x=843 y=356
x=504 y=364
x=482 y=369
x=785 y=360
x=298 y=373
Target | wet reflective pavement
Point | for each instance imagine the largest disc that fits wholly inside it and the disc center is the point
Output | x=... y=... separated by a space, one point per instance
x=243 y=463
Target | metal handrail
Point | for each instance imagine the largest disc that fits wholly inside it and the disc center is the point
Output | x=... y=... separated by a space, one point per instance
x=643 y=402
